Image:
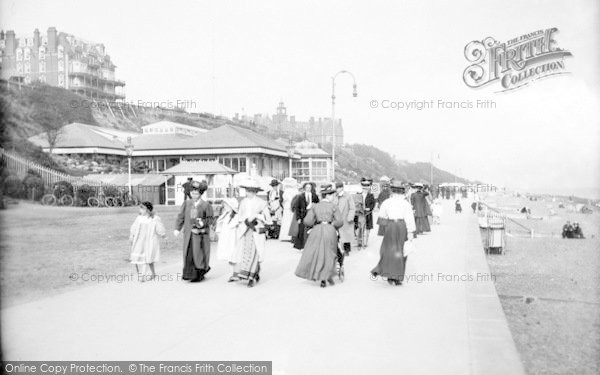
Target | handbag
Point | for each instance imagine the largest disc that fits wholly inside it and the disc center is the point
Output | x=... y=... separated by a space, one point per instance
x=409 y=248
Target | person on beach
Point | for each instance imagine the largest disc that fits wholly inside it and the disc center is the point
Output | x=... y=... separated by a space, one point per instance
x=253 y=216
x=302 y=203
x=227 y=225
x=194 y=219
x=347 y=208
x=400 y=227
x=290 y=189
x=318 y=261
x=421 y=208
x=144 y=236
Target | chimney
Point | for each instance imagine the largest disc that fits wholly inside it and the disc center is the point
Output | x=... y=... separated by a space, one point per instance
x=36 y=39
x=10 y=43
x=52 y=39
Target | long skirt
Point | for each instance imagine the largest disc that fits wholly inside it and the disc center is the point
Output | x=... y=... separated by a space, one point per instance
x=248 y=267
x=422 y=224
x=318 y=261
x=392 y=261
x=301 y=237
x=286 y=223
x=190 y=271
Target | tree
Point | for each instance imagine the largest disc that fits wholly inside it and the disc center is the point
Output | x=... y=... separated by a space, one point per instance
x=51 y=120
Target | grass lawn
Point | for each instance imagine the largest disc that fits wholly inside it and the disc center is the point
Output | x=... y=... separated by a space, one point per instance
x=42 y=246
x=557 y=330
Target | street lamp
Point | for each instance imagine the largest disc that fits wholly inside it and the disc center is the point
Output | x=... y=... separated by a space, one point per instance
x=129 y=151
x=354 y=94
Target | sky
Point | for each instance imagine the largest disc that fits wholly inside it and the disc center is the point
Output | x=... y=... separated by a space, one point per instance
x=228 y=57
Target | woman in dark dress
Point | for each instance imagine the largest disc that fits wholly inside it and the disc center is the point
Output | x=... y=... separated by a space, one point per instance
x=194 y=218
x=318 y=261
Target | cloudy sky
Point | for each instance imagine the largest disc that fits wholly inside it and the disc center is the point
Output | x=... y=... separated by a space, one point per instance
x=244 y=57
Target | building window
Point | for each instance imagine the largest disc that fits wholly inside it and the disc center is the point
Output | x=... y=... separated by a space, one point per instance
x=27 y=54
x=319 y=170
x=242 y=165
x=19 y=54
x=42 y=66
x=301 y=170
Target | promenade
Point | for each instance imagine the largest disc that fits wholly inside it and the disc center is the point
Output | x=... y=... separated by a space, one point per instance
x=445 y=319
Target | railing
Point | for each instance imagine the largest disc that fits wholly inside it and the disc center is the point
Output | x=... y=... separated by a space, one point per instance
x=21 y=166
x=498 y=213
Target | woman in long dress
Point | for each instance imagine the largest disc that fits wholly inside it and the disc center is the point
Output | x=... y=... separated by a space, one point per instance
x=194 y=219
x=399 y=228
x=289 y=192
x=227 y=224
x=318 y=261
x=253 y=216
x=145 y=246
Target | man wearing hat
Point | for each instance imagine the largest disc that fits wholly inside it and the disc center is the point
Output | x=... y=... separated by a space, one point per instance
x=421 y=209
x=194 y=219
x=187 y=187
x=347 y=211
x=302 y=203
x=368 y=202
x=275 y=201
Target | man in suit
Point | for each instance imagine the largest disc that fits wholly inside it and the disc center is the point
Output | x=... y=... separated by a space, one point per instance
x=194 y=219
x=187 y=188
x=368 y=203
x=302 y=203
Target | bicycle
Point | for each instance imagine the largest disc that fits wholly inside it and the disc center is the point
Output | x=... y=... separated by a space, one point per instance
x=58 y=197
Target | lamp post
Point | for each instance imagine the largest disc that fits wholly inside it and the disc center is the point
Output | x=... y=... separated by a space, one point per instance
x=354 y=94
x=129 y=151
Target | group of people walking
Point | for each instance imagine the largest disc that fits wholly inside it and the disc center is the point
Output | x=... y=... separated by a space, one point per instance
x=322 y=226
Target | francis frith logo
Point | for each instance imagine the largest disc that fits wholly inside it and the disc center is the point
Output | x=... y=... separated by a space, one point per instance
x=514 y=63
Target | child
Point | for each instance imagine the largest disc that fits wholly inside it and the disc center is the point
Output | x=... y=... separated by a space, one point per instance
x=457 y=206
x=145 y=247
x=227 y=225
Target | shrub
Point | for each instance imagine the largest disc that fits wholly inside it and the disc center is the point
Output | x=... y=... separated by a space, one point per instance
x=84 y=192
x=63 y=188
x=13 y=187
x=111 y=191
x=34 y=187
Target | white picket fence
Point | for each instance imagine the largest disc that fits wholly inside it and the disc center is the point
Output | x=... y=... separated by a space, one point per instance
x=20 y=165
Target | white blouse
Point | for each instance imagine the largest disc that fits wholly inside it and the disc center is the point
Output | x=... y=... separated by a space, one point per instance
x=397 y=207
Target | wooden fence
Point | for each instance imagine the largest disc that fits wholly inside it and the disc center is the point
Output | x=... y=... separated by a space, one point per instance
x=50 y=177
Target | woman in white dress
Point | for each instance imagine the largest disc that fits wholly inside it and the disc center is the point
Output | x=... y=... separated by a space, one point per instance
x=290 y=189
x=145 y=246
x=227 y=224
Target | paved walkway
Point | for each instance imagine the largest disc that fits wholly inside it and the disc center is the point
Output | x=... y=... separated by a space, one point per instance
x=433 y=324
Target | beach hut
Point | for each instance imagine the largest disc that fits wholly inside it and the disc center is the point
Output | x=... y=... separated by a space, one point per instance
x=218 y=177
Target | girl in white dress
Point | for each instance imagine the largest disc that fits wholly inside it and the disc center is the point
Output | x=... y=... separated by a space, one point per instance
x=145 y=246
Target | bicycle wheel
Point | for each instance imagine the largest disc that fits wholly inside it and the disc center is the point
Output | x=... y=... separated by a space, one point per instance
x=118 y=202
x=93 y=202
x=109 y=201
x=48 y=200
x=66 y=200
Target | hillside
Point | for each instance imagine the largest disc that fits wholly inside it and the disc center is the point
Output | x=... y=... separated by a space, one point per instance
x=41 y=108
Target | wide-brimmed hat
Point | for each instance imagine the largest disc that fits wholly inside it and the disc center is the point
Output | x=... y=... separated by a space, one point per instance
x=274 y=182
x=397 y=187
x=385 y=179
x=232 y=202
x=365 y=182
x=200 y=186
x=339 y=184
x=418 y=185
x=307 y=183
x=328 y=189
x=251 y=185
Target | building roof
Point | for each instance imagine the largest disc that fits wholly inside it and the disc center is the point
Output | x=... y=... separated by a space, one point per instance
x=199 y=167
x=165 y=123
x=228 y=136
x=159 y=141
x=80 y=135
